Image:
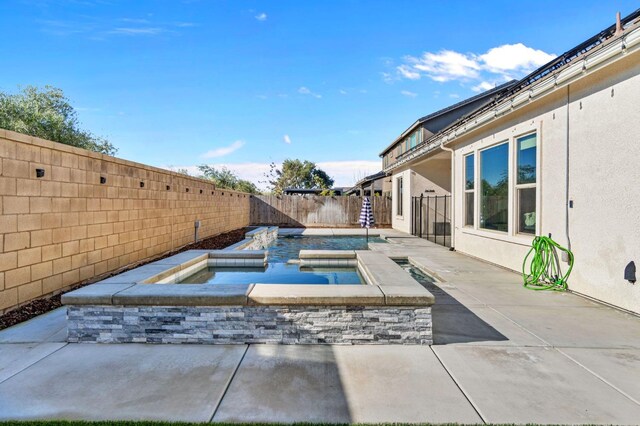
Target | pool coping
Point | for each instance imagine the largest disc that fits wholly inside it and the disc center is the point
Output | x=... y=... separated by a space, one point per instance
x=387 y=284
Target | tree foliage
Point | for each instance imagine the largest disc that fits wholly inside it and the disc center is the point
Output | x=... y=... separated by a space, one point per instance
x=225 y=178
x=298 y=174
x=47 y=114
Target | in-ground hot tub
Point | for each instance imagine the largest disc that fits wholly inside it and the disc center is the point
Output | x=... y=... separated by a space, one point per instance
x=153 y=303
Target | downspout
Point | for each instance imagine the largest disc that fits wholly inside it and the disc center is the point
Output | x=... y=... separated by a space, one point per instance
x=453 y=185
x=568 y=203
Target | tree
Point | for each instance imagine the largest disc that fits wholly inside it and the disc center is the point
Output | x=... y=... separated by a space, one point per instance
x=298 y=174
x=225 y=178
x=46 y=113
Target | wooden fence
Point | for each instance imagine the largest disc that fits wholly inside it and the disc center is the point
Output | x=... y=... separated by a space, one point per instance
x=316 y=211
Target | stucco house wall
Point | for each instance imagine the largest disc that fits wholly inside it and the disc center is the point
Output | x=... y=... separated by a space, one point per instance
x=402 y=221
x=432 y=177
x=591 y=124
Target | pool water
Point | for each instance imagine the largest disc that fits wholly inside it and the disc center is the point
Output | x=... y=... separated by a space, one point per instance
x=275 y=273
x=288 y=247
x=417 y=274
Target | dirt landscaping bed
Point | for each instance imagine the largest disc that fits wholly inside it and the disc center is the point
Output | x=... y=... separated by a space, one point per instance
x=44 y=305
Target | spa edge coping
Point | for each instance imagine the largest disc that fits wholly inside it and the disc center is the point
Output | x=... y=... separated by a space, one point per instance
x=387 y=284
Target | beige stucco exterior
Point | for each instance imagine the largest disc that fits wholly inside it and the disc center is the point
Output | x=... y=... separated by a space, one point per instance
x=430 y=177
x=590 y=125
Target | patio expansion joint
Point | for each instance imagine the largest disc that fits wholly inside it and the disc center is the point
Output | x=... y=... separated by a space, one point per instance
x=510 y=320
x=559 y=350
x=228 y=384
x=33 y=363
x=459 y=386
x=605 y=381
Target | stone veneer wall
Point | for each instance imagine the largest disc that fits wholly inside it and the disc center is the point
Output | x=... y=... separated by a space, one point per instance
x=258 y=239
x=250 y=324
x=66 y=227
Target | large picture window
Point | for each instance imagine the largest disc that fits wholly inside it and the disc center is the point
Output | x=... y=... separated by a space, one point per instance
x=469 y=189
x=400 y=196
x=494 y=188
x=526 y=157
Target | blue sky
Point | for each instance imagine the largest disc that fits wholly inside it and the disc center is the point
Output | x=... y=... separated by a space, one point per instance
x=244 y=83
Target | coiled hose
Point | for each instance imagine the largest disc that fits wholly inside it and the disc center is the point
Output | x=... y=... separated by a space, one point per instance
x=544 y=267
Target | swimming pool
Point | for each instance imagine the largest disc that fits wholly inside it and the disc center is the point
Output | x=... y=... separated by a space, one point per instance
x=286 y=248
x=275 y=273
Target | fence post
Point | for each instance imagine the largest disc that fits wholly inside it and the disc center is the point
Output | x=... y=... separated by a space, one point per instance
x=420 y=216
x=414 y=221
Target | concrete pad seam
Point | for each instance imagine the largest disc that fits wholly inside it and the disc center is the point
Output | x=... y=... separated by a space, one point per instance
x=49 y=336
x=34 y=363
x=228 y=384
x=467 y=397
x=520 y=326
x=599 y=377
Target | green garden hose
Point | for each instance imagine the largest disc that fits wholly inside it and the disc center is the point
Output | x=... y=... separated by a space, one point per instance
x=544 y=268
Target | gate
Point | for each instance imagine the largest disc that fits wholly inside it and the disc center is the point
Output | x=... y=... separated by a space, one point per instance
x=431 y=218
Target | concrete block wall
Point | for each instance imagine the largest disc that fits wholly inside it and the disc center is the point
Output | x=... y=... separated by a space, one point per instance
x=67 y=227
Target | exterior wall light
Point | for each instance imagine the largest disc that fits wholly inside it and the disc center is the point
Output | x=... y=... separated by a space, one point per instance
x=141 y=184
x=39 y=173
x=168 y=187
x=103 y=180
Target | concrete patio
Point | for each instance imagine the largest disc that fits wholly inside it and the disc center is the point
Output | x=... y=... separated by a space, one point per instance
x=501 y=354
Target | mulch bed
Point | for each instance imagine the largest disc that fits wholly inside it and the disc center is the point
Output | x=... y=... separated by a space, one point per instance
x=42 y=306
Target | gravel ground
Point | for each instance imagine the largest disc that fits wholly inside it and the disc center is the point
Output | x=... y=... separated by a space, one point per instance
x=44 y=305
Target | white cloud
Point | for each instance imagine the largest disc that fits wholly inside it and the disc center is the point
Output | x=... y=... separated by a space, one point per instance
x=347 y=173
x=225 y=150
x=443 y=66
x=483 y=86
x=307 y=92
x=261 y=17
x=499 y=63
x=343 y=92
x=409 y=94
x=137 y=31
x=514 y=58
x=100 y=29
x=186 y=24
x=405 y=71
x=286 y=139
x=387 y=77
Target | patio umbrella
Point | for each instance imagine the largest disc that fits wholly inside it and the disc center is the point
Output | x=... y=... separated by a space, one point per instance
x=366 y=215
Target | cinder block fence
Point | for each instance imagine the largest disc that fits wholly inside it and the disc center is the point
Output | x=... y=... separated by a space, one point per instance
x=69 y=215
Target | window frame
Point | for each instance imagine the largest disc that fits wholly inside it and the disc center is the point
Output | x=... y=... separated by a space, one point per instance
x=512 y=236
x=478 y=195
x=399 y=191
x=519 y=186
x=469 y=191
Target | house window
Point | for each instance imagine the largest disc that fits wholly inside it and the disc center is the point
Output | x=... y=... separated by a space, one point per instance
x=469 y=189
x=494 y=188
x=526 y=148
x=400 y=196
